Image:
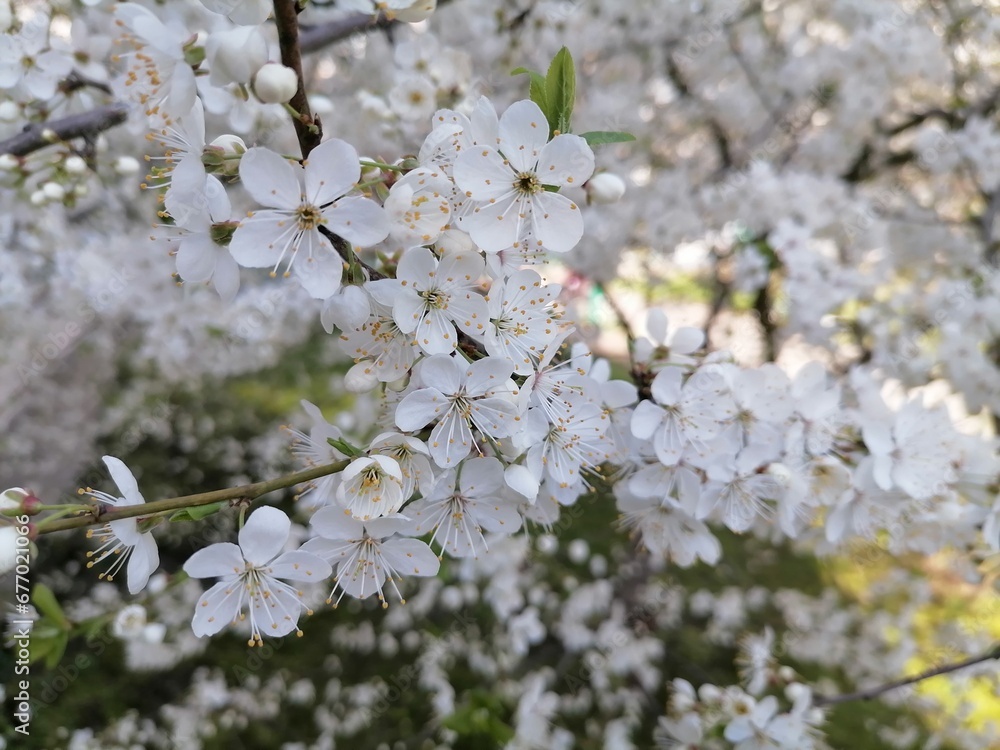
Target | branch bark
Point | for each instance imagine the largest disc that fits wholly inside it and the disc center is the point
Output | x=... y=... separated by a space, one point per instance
x=307 y=128
x=875 y=692
x=85 y=124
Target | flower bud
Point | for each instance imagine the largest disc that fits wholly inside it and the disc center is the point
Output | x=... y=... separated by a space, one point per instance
x=54 y=191
x=126 y=165
x=228 y=145
x=75 y=165
x=360 y=378
x=234 y=55
x=420 y=11
x=605 y=188
x=275 y=84
x=8 y=162
x=9 y=111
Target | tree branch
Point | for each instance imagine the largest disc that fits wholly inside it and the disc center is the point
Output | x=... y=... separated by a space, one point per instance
x=875 y=692
x=312 y=38
x=307 y=128
x=243 y=492
x=85 y=124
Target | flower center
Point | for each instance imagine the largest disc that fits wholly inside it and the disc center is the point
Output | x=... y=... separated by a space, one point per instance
x=309 y=217
x=527 y=183
x=435 y=299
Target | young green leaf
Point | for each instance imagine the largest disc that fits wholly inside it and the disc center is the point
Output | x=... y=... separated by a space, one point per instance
x=604 y=137
x=560 y=91
x=198 y=512
x=537 y=89
x=46 y=603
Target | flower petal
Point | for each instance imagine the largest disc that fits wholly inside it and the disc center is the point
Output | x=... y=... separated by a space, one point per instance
x=263 y=535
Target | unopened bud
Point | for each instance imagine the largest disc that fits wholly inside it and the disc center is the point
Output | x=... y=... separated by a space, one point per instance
x=126 y=165
x=75 y=165
x=360 y=378
x=605 y=188
x=54 y=191
x=275 y=84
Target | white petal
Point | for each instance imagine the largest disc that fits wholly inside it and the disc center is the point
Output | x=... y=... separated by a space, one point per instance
x=125 y=481
x=482 y=174
x=216 y=608
x=358 y=220
x=410 y=557
x=215 y=561
x=565 y=160
x=300 y=566
x=145 y=558
x=523 y=132
x=263 y=535
x=557 y=221
x=331 y=171
x=262 y=239
x=419 y=408
x=270 y=179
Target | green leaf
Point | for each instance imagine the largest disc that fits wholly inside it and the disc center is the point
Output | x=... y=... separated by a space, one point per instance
x=537 y=90
x=46 y=603
x=560 y=91
x=344 y=447
x=198 y=512
x=604 y=137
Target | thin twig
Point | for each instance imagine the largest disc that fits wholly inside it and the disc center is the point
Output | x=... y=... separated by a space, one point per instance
x=85 y=124
x=875 y=692
x=244 y=492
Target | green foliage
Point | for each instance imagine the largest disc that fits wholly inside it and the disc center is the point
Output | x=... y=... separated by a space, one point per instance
x=555 y=92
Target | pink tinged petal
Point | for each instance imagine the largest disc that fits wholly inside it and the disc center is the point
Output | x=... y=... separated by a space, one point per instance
x=358 y=220
x=271 y=179
x=499 y=226
x=565 y=160
x=482 y=174
x=125 y=481
x=264 y=535
x=331 y=171
x=217 y=607
x=666 y=386
x=646 y=419
x=557 y=221
x=410 y=557
x=419 y=408
x=263 y=239
x=300 y=566
x=523 y=133
x=442 y=373
x=145 y=558
x=215 y=561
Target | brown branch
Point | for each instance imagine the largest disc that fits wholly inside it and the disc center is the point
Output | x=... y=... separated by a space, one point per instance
x=875 y=692
x=85 y=124
x=307 y=128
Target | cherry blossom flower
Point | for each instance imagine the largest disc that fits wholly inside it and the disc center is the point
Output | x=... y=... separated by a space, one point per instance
x=314 y=449
x=523 y=320
x=464 y=503
x=379 y=343
x=460 y=399
x=370 y=487
x=202 y=249
x=252 y=574
x=121 y=540
x=368 y=556
x=429 y=297
x=508 y=183
x=300 y=200
x=28 y=62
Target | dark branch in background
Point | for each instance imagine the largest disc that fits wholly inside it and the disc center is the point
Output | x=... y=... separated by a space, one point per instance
x=84 y=125
x=313 y=38
x=875 y=692
x=762 y=306
x=307 y=129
